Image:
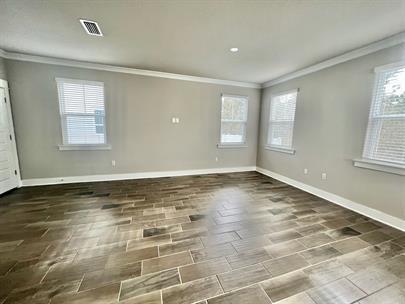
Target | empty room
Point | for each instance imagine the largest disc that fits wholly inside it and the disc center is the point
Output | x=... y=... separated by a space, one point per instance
x=202 y=151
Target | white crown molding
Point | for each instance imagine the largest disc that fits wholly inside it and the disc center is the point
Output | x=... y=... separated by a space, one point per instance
x=365 y=50
x=338 y=200
x=119 y=69
x=124 y=176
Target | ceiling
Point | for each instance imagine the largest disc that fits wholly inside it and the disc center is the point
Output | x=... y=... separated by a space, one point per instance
x=194 y=37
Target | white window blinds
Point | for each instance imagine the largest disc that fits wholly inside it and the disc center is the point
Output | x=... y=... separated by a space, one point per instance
x=234 y=115
x=385 y=139
x=281 y=120
x=82 y=111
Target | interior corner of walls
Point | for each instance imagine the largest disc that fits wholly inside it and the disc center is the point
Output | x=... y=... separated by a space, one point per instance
x=259 y=124
x=389 y=42
x=360 y=208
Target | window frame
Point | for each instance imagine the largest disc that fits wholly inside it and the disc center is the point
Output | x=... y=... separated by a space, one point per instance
x=276 y=148
x=374 y=163
x=66 y=146
x=242 y=144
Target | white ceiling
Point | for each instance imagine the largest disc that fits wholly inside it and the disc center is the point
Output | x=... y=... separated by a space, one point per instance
x=194 y=37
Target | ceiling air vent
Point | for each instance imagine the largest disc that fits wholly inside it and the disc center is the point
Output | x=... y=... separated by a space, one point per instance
x=91 y=27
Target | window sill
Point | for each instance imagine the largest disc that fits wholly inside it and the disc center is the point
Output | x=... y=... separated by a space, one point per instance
x=84 y=147
x=282 y=150
x=379 y=166
x=231 y=146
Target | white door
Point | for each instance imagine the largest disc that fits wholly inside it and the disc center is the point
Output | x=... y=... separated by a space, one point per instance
x=9 y=171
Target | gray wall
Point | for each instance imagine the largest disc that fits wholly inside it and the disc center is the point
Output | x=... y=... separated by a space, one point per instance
x=331 y=121
x=3 y=74
x=139 y=128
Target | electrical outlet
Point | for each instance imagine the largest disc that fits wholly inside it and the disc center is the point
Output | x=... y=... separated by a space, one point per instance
x=113 y=163
x=177 y=120
x=173 y=119
x=216 y=158
x=323 y=176
x=305 y=171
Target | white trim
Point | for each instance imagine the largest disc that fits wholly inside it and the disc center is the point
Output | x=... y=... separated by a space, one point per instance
x=235 y=96
x=282 y=150
x=357 y=207
x=268 y=145
x=119 y=69
x=4 y=84
x=124 y=176
x=63 y=115
x=362 y=51
x=373 y=133
x=388 y=67
x=84 y=147
x=244 y=121
x=341 y=201
x=356 y=53
x=379 y=166
x=231 y=146
x=272 y=95
x=79 y=81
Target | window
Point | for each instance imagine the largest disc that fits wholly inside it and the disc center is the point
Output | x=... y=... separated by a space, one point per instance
x=234 y=114
x=385 y=139
x=281 y=121
x=82 y=112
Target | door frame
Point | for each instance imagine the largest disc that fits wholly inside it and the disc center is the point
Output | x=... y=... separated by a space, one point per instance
x=4 y=84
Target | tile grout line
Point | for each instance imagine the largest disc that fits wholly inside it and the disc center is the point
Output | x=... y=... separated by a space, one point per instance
x=261 y=287
x=220 y=284
x=178 y=271
x=259 y=263
x=119 y=292
x=81 y=282
x=367 y=294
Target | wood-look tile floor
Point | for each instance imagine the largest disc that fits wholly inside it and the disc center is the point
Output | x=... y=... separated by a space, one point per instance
x=216 y=239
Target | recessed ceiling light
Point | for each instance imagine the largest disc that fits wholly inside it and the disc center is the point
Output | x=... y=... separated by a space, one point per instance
x=91 y=27
x=234 y=49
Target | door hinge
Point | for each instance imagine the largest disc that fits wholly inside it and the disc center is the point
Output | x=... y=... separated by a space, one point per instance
x=11 y=138
x=15 y=172
x=5 y=99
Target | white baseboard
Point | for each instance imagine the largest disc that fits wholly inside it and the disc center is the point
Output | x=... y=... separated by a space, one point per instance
x=336 y=199
x=124 y=176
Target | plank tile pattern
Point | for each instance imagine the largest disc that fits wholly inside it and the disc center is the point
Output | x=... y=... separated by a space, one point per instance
x=218 y=238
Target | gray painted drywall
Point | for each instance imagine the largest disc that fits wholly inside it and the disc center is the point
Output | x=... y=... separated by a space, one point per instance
x=331 y=121
x=3 y=74
x=139 y=111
